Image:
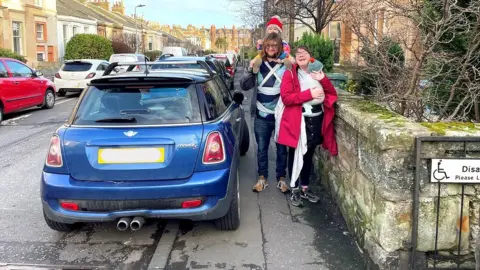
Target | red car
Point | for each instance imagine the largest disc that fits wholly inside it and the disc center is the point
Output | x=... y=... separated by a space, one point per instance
x=21 y=88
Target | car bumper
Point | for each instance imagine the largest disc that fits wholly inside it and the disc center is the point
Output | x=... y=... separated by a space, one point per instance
x=208 y=185
x=71 y=85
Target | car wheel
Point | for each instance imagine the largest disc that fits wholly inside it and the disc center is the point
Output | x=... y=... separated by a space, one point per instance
x=58 y=226
x=61 y=93
x=49 y=100
x=1 y=114
x=245 y=143
x=231 y=221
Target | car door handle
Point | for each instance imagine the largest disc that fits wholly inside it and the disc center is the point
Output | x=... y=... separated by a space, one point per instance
x=238 y=119
x=15 y=82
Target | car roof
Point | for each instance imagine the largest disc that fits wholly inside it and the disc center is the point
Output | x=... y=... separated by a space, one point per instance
x=86 y=60
x=186 y=58
x=6 y=58
x=196 y=75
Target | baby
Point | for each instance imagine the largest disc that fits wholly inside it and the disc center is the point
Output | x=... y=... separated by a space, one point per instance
x=274 y=26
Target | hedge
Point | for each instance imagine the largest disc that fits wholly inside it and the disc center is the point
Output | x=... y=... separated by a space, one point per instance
x=9 y=54
x=88 y=46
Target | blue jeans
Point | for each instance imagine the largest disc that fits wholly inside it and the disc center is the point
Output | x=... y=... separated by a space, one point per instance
x=263 y=134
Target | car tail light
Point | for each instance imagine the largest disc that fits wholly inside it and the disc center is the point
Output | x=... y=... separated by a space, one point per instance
x=57 y=75
x=91 y=75
x=191 y=203
x=54 y=157
x=214 y=149
x=69 y=206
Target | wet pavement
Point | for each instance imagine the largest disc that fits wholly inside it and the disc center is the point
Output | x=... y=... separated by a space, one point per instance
x=273 y=234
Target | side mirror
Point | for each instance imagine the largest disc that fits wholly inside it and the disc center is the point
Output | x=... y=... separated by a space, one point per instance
x=38 y=74
x=238 y=97
x=3 y=74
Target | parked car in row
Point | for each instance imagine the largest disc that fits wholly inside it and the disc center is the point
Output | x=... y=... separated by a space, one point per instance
x=22 y=88
x=74 y=75
x=226 y=60
x=215 y=65
x=129 y=58
x=165 y=144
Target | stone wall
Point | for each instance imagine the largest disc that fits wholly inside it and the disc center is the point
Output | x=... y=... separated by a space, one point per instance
x=372 y=181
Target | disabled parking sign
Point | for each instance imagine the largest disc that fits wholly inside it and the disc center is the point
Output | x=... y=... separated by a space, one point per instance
x=459 y=171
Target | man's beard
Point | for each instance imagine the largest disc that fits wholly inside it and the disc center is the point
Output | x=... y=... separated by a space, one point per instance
x=275 y=55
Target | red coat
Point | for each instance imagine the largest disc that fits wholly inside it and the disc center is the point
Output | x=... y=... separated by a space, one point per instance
x=293 y=98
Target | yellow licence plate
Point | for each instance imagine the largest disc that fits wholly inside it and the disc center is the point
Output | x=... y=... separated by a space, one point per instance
x=130 y=155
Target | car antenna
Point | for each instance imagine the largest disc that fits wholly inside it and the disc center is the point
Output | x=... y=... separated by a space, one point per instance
x=146 y=67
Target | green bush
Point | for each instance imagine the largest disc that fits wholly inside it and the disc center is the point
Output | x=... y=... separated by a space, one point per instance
x=88 y=46
x=321 y=48
x=152 y=55
x=207 y=52
x=9 y=54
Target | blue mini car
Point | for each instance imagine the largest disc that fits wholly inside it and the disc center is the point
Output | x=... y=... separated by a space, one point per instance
x=158 y=144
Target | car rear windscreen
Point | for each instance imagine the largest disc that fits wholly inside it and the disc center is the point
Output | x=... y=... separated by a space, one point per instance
x=139 y=105
x=77 y=66
x=123 y=59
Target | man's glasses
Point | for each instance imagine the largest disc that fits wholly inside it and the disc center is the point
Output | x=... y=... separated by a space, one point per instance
x=271 y=46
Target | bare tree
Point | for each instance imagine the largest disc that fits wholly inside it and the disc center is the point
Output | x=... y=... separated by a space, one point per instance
x=432 y=76
x=315 y=14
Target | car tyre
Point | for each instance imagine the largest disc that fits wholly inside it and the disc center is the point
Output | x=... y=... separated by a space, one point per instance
x=58 y=226
x=245 y=143
x=49 y=99
x=61 y=93
x=1 y=113
x=231 y=221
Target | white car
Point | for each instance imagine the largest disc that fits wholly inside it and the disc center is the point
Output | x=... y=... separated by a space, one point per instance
x=74 y=75
x=128 y=58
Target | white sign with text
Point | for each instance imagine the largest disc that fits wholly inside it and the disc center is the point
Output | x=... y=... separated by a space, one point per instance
x=460 y=171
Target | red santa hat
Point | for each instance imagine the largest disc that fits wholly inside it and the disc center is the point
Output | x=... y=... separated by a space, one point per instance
x=275 y=20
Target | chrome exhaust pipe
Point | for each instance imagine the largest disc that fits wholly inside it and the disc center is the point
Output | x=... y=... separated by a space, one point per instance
x=123 y=223
x=137 y=223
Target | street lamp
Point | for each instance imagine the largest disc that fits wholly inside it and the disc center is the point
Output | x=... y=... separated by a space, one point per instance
x=136 y=35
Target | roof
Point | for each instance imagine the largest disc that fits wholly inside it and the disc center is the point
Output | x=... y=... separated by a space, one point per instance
x=74 y=8
x=86 y=60
x=193 y=75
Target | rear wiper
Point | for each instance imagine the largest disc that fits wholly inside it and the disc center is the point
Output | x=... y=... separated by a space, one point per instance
x=117 y=120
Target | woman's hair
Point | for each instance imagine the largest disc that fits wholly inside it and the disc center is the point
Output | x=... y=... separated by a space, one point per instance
x=303 y=47
x=271 y=38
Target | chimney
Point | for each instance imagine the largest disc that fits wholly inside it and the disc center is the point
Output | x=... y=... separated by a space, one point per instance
x=119 y=7
x=103 y=4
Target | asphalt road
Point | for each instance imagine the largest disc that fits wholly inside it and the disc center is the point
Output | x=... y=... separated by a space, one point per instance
x=273 y=234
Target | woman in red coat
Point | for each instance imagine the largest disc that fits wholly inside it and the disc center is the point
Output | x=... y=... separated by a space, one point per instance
x=306 y=121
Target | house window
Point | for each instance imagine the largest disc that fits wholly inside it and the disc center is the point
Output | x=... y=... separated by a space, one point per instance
x=40 y=56
x=39 y=3
x=74 y=30
x=41 y=53
x=17 y=37
x=85 y=29
x=150 y=44
x=335 y=30
x=65 y=34
x=40 y=31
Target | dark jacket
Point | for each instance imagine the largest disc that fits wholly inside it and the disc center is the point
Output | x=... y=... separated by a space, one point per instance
x=248 y=82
